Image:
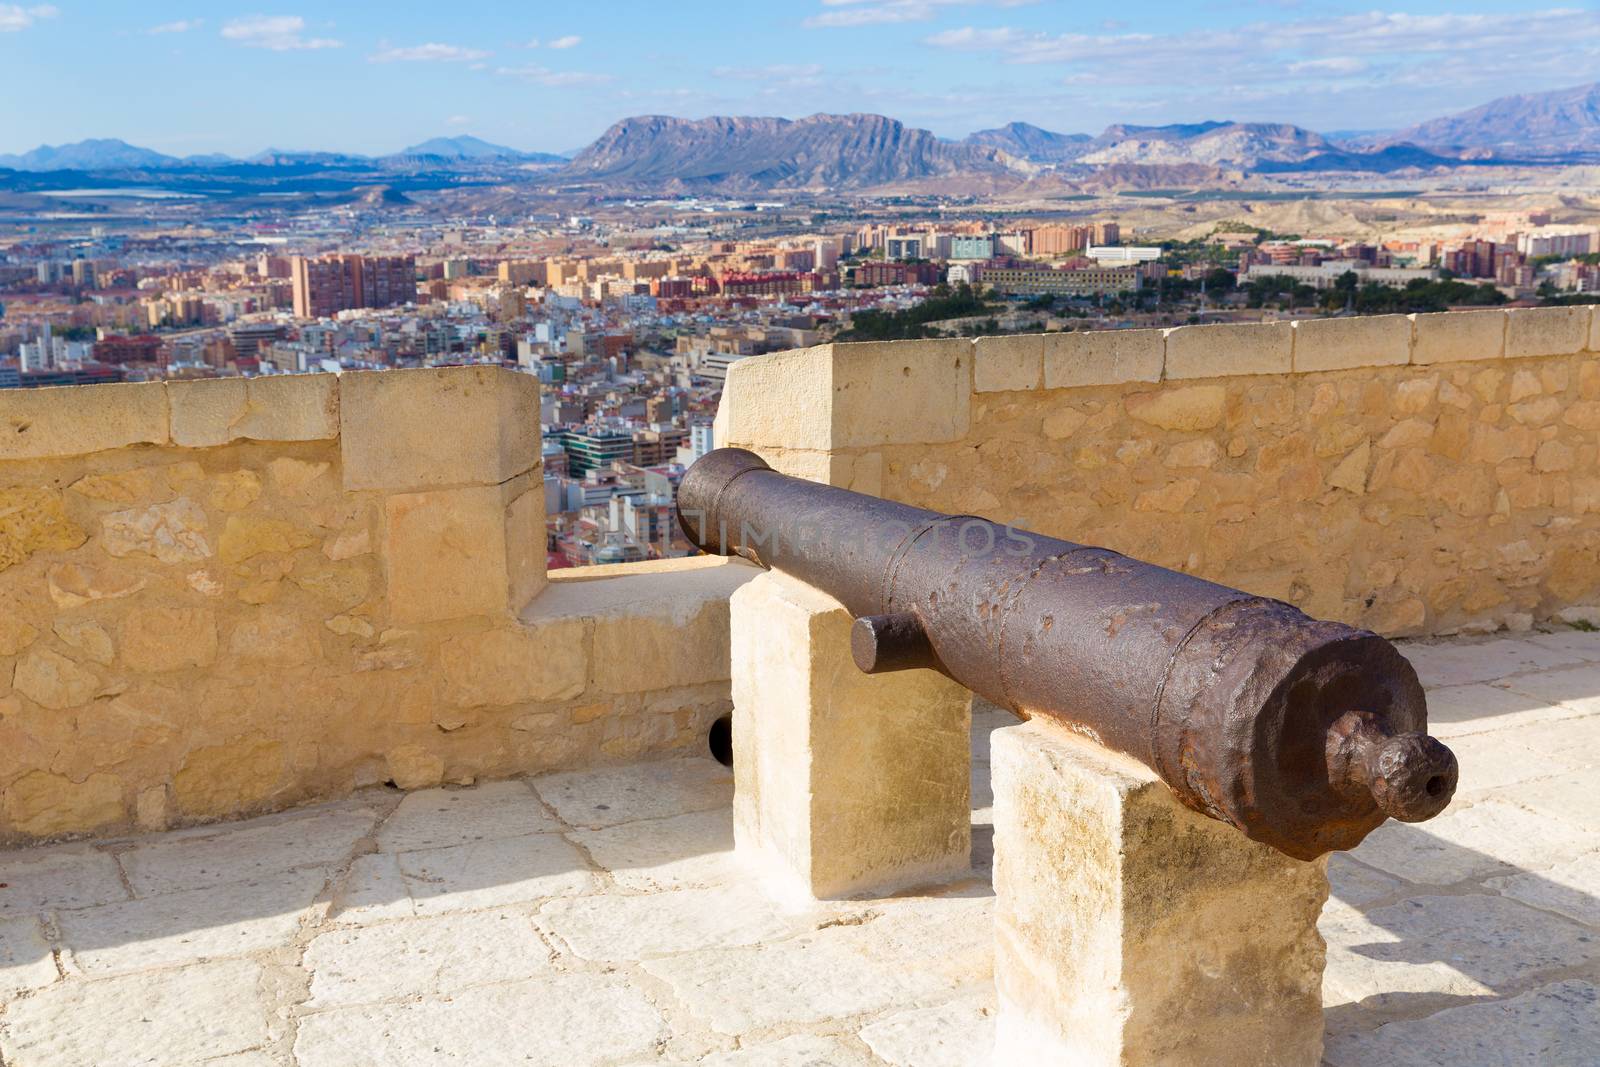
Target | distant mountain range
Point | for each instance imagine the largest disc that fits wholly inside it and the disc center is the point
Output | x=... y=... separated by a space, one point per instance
x=855 y=152
x=107 y=154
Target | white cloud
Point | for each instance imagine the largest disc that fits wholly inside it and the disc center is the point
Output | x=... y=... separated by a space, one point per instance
x=428 y=53
x=180 y=26
x=1330 y=65
x=570 y=41
x=14 y=17
x=888 y=12
x=279 y=33
x=458 y=120
x=555 y=79
x=792 y=73
x=533 y=42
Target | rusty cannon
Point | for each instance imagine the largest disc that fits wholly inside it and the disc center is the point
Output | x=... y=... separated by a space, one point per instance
x=1304 y=734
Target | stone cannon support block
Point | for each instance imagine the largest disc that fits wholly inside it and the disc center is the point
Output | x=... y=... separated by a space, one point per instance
x=1218 y=351
x=1555 y=331
x=429 y=429
x=1458 y=336
x=456 y=553
x=77 y=420
x=844 y=782
x=1008 y=364
x=1103 y=357
x=1131 y=931
x=1344 y=344
x=778 y=401
x=289 y=407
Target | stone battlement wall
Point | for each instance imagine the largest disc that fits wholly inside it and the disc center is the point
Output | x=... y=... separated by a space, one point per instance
x=1415 y=474
x=229 y=596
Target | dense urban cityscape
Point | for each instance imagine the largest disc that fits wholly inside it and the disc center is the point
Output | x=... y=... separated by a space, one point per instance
x=631 y=315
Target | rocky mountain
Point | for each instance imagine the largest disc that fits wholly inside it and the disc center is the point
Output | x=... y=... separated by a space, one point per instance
x=96 y=154
x=1562 y=123
x=1240 y=145
x=821 y=151
x=1029 y=142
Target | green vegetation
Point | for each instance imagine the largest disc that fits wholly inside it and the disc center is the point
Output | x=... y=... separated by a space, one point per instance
x=912 y=323
x=1371 y=299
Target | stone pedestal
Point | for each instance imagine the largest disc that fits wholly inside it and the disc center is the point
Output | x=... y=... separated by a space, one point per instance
x=844 y=783
x=1131 y=931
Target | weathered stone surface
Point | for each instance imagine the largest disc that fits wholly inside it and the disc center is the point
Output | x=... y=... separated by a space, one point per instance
x=1217 y=351
x=25 y=957
x=1194 y=407
x=50 y=679
x=1103 y=357
x=348 y=544
x=71 y=585
x=606 y=796
x=1552 y=331
x=436 y=818
x=15 y=635
x=446 y=554
x=236 y=490
x=428 y=957
x=1557 y=1024
x=516 y=664
x=1448 y=946
x=487 y=874
x=247 y=536
x=190 y=1014
x=1130 y=929
x=229 y=920
x=801 y=1050
x=680 y=643
x=931 y=382
x=848 y=781
x=1568 y=888
x=542 y=1021
x=1003 y=364
x=160 y=638
x=87 y=637
x=413 y=767
x=783 y=400
x=147 y=485
x=226 y=779
x=174 y=532
x=217 y=855
x=1458 y=336
x=1347 y=343
x=390 y=427
x=62 y=876
x=904 y=959
x=34 y=520
x=616 y=929
x=300 y=407
x=1486 y=838
x=45 y=805
x=958 y=1034
x=274 y=637
x=676 y=852
x=81 y=419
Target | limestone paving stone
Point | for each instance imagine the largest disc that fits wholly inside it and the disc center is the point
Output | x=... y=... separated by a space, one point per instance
x=486 y=874
x=1471 y=842
x=1469 y=945
x=437 y=818
x=1462 y=663
x=1356 y=884
x=799 y=1050
x=924 y=952
x=174 y=862
x=1571 y=888
x=189 y=1014
x=1583 y=644
x=1577 y=688
x=1567 y=798
x=26 y=958
x=604 y=797
x=615 y=929
x=1556 y=1026
x=51 y=878
x=563 y=1021
x=1497 y=760
x=234 y=919
x=1573 y=742
x=374 y=890
x=677 y=852
x=1459 y=710
x=957 y=1034
x=423 y=957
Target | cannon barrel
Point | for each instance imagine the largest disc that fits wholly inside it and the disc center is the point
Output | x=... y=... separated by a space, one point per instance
x=1303 y=734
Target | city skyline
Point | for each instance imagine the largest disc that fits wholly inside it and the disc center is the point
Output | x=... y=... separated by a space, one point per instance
x=551 y=80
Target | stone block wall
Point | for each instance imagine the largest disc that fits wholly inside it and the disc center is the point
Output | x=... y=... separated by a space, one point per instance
x=1413 y=474
x=229 y=596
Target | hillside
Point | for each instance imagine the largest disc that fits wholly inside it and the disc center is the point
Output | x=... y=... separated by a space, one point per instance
x=1562 y=123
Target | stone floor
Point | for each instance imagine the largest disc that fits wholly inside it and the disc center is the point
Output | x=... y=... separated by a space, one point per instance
x=599 y=918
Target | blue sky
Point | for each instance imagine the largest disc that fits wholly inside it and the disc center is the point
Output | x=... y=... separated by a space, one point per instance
x=197 y=76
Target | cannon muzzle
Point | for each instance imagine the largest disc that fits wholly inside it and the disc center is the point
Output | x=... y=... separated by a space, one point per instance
x=1304 y=734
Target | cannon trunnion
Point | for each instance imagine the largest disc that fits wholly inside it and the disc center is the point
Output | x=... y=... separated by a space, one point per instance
x=1305 y=735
